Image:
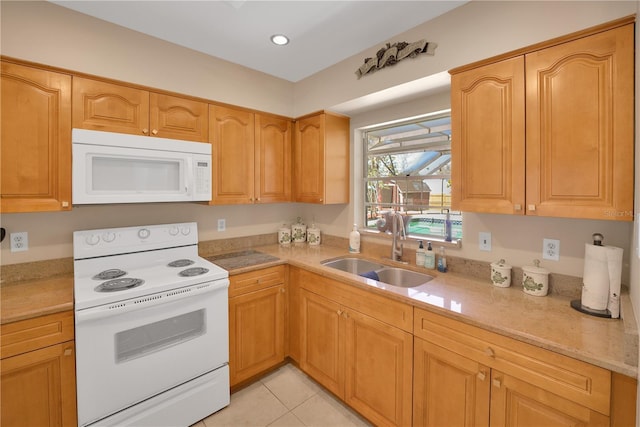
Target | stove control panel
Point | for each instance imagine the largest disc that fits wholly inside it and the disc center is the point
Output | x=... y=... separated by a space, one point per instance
x=114 y=241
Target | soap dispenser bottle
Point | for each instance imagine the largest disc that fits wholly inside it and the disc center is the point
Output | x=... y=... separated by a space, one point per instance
x=429 y=257
x=442 y=261
x=354 y=240
x=420 y=255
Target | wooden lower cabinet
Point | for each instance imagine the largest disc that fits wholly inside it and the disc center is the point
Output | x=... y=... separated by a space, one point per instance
x=256 y=322
x=38 y=381
x=449 y=389
x=516 y=403
x=364 y=361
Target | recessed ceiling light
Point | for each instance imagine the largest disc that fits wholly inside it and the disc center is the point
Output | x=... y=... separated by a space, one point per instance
x=279 y=39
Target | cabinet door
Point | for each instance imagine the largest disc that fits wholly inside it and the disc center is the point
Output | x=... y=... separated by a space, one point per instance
x=178 y=118
x=109 y=107
x=449 y=389
x=322 y=341
x=232 y=138
x=272 y=159
x=580 y=107
x=35 y=140
x=309 y=167
x=38 y=388
x=516 y=403
x=487 y=141
x=379 y=369
x=256 y=332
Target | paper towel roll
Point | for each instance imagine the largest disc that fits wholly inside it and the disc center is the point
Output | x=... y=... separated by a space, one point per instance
x=602 y=277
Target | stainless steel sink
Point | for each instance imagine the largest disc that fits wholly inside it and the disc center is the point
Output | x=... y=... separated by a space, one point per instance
x=352 y=265
x=381 y=273
x=401 y=277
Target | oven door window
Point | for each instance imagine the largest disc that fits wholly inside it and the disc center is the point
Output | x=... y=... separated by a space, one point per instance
x=153 y=337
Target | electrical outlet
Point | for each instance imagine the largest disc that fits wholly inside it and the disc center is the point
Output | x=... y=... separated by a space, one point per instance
x=222 y=224
x=484 y=241
x=19 y=241
x=551 y=249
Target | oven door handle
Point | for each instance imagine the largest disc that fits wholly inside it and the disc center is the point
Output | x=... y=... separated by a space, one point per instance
x=146 y=301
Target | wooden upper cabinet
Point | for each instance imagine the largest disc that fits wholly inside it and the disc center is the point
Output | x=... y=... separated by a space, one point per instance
x=580 y=106
x=178 y=118
x=35 y=140
x=578 y=129
x=487 y=145
x=99 y=105
x=232 y=138
x=109 y=107
x=272 y=159
x=321 y=159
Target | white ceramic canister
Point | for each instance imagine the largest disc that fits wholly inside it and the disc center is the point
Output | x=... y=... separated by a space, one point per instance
x=535 y=279
x=313 y=235
x=501 y=274
x=284 y=234
x=299 y=232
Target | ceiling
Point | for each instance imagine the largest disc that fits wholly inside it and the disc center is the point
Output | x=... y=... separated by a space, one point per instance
x=322 y=33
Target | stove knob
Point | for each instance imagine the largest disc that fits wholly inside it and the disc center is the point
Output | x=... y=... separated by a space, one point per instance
x=185 y=231
x=143 y=233
x=92 y=239
x=173 y=231
x=109 y=237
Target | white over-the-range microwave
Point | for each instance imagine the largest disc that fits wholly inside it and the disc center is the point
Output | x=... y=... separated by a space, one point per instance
x=113 y=167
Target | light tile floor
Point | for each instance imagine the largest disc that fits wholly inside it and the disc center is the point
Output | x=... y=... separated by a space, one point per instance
x=286 y=397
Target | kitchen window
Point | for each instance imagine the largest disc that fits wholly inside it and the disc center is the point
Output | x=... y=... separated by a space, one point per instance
x=407 y=169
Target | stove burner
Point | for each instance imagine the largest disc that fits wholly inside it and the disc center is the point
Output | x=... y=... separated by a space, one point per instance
x=109 y=274
x=119 y=284
x=194 y=271
x=180 y=263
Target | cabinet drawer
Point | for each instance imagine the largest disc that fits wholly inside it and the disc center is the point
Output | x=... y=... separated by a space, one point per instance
x=572 y=379
x=256 y=280
x=384 y=309
x=31 y=334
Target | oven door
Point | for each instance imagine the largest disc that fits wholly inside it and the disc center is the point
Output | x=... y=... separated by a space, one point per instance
x=129 y=351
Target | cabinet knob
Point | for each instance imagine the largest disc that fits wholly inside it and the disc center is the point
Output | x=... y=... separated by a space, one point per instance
x=145 y=131
x=497 y=382
x=517 y=207
x=532 y=207
x=345 y=314
x=282 y=291
x=68 y=351
x=481 y=375
x=65 y=204
x=489 y=352
x=155 y=131
x=320 y=199
x=339 y=312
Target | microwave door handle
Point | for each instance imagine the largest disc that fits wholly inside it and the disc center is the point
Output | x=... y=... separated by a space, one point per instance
x=188 y=184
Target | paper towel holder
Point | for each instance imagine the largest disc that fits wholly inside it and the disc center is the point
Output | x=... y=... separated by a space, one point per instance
x=577 y=303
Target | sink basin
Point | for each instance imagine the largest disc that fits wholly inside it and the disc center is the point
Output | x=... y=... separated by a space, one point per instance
x=389 y=275
x=401 y=277
x=353 y=265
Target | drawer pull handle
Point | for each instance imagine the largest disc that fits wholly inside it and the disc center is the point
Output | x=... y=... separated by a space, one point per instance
x=481 y=375
x=489 y=352
x=496 y=382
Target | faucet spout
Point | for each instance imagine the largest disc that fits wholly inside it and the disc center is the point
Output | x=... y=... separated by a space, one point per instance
x=399 y=234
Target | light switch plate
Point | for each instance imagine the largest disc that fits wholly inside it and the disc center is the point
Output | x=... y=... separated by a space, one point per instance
x=484 y=243
x=222 y=224
x=551 y=249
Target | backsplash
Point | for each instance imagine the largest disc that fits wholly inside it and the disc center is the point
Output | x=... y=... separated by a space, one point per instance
x=559 y=284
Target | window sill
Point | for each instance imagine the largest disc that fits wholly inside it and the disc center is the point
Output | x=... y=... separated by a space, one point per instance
x=435 y=241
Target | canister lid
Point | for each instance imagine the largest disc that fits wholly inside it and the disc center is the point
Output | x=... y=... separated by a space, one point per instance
x=536 y=269
x=500 y=264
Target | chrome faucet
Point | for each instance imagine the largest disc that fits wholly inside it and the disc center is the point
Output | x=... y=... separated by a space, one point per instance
x=399 y=233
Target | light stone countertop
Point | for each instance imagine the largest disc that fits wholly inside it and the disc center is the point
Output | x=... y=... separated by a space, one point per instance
x=548 y=322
